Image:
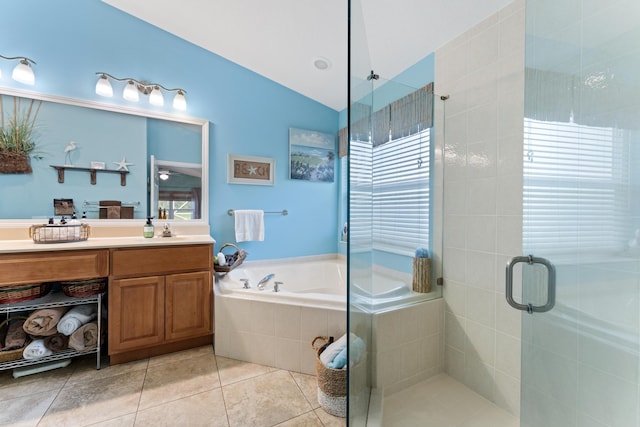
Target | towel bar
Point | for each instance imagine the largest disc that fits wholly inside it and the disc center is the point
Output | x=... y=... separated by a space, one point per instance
x=283 y=212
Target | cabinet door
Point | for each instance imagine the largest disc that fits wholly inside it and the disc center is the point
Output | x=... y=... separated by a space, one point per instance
x=136 y=313
x=188 y=305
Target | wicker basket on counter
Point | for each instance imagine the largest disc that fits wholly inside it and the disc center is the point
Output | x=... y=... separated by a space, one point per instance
x=17 y=293
x=83 y=288
x=232 y=260
x=59 y=233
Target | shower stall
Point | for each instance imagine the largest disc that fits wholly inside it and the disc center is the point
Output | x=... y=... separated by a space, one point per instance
x=564 y=212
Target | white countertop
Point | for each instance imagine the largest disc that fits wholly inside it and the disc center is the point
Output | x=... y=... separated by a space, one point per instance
x=15 y=246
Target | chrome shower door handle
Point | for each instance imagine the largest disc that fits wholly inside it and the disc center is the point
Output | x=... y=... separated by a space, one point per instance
x=551 y=284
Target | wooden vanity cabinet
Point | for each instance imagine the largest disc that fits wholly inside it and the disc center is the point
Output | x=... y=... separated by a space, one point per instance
x=160 y=300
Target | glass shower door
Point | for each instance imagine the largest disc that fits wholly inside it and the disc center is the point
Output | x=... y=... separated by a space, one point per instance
x=581 y=211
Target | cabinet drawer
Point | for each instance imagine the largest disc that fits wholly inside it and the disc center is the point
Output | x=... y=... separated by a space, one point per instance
x=51 y=266
x=160 y=260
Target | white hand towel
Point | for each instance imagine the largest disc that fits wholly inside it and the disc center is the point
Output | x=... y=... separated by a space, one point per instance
x=36 y=350
x=249 y=225
x=76 y=317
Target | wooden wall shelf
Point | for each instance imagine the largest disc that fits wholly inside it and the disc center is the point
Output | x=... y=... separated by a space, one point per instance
x=92 y=171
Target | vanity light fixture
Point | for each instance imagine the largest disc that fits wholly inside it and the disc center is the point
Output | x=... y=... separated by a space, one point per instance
x=134 y=87
x=23 y=72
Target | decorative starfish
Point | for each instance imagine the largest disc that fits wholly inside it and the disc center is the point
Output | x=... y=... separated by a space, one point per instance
x=253 y=170
x=122 y=165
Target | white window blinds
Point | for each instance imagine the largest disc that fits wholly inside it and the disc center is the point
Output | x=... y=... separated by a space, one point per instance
x=393 y=212
x=576 y=188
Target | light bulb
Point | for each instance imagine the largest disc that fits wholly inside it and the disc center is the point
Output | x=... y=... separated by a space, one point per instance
x=103 y=87
x=130 y=92
x=23 y=73
x=155 y=97
x=180 y=102
x=164 y=175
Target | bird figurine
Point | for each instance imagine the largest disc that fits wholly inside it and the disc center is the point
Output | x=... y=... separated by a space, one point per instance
x=67 y=152
x=123 y=165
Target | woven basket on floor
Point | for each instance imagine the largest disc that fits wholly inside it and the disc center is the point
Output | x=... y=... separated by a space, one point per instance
x=11 y=355
x=332 y=383
x=17 y=293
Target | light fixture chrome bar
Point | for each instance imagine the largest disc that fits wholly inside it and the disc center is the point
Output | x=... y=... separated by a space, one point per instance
x=103 y=88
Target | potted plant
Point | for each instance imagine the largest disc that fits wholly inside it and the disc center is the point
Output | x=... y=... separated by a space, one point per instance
x=17 y=137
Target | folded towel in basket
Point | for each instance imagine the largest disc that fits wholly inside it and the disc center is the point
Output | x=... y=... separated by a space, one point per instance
x=76 y=317
x=357 y=348
x=56 y=342
x=15 y=336
x=85 y=338
x=36 y=350
x=43 y=322
x=333 y=350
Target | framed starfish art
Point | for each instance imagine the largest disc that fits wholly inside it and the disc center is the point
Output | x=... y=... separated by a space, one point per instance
x=250 y=170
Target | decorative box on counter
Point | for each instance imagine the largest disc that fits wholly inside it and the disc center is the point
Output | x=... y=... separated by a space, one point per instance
x=59 y=233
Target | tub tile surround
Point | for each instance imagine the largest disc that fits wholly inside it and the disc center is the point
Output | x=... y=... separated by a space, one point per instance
x=194 y=387
x=274 y=334
x=482 y=71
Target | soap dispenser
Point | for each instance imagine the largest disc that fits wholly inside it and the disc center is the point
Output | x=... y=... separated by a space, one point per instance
x=147 y=231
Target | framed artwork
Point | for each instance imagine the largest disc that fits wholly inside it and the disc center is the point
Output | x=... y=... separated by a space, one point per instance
x=250 y=170
x=312 y=155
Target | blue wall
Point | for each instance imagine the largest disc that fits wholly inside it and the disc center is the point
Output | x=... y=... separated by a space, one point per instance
x=250 y=115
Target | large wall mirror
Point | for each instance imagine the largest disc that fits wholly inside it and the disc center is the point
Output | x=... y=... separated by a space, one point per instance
x=166 y=157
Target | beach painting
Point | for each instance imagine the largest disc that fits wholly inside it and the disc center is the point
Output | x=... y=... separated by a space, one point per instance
x=312 y=155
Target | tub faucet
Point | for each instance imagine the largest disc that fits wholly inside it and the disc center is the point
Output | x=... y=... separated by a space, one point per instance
x=276 y=286
x=263 y=282
x=246 y=283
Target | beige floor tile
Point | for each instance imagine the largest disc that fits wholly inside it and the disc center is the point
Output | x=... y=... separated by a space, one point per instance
x=27 y=410
x=182 y=355
x=11 y=388
x=95 y=401
x=329 y=420
x=309 y=386
x=203 y=409
x=231 y=370
x=86 y=370
x=123 y=421
x=181 y=378
x=310 y=419
x=265 y=400
x=492 y=417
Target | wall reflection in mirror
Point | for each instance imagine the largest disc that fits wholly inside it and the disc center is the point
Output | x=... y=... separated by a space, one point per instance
x=80 y=137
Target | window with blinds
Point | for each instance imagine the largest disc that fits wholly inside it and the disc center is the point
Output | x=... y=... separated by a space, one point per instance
x=576 y=187
x=390 y=186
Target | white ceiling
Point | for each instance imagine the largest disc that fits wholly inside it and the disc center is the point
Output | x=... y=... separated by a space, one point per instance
x=280 y=39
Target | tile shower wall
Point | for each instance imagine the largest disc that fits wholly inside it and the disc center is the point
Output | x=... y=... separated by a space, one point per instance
x=482 y=71
x=407 y=345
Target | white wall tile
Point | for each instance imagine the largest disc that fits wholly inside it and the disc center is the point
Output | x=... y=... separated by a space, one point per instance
x=481 y=233
x=509 y=235
x=454 y=363
x=287 y=322
x=481 y=306
x=287 y=354
x=455 y=298
x=455 y=335
x=480 y=269
x=481 y=196
x=454 y=265
x=507 y=393
x=481 y=342
x=455 y=227
x=314 y=322
x=508 y=355
x=479 y=377
x=262 y=318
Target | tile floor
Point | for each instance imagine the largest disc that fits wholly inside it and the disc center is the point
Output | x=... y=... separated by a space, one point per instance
x=442 y=401
x=197 y=388
x=189 y=388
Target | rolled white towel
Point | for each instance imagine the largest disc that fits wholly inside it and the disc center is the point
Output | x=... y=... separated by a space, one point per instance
x=333 y=350
x=36 y=350
x=76 y=317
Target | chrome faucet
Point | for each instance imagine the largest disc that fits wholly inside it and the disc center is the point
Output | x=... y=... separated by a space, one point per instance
x=263 y=282
x=246 y=283
x=276 y=286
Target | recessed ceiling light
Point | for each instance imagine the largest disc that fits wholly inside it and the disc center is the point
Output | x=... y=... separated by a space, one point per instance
x=322 y=63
